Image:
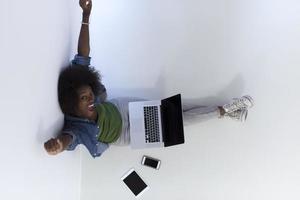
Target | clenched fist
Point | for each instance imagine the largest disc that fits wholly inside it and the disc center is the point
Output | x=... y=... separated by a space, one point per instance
x=86 y=6
x=54 y=146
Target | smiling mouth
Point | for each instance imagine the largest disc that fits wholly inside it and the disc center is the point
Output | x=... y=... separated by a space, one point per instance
x=91 y=107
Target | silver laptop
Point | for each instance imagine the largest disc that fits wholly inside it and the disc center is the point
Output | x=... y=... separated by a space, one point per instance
x=156 y=123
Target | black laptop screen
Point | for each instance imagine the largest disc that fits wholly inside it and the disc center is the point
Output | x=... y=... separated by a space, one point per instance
x=172 y=122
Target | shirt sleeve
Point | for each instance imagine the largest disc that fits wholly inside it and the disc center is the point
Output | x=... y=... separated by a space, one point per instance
x=74 y=142
x=102 y=97
x=81 y=60
x=101 y=147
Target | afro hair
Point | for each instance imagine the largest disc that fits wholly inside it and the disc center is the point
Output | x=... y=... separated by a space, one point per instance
x=70 y=80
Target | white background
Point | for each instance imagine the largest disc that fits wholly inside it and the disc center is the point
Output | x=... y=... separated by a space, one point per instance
x=35 y=43
x=210 y=51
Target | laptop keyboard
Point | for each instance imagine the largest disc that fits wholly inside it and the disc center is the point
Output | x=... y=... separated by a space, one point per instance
x=151 y=124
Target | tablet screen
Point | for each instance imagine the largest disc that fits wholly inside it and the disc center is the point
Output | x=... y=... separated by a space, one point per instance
x=134 y=183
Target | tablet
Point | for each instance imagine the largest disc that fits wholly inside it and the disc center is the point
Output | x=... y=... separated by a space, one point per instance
x=135 y=183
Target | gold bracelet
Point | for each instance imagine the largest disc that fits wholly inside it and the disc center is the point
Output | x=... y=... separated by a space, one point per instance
x=85 y=23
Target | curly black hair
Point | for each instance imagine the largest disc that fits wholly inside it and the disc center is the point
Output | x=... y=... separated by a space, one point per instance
x=70 y=80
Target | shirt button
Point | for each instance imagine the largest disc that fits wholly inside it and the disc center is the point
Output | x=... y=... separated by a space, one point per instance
x=97 y=144
x=98 y=127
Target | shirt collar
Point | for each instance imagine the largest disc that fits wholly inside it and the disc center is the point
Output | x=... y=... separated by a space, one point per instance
x=78 y=119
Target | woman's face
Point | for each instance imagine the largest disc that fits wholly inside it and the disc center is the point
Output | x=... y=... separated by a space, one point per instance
x=86 y=100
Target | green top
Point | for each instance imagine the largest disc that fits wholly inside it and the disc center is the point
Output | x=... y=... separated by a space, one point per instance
x=109 y=121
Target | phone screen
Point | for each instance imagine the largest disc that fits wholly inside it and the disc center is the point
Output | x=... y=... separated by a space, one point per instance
x=151 y=162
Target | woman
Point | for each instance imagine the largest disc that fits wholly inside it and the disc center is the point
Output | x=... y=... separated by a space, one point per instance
x=95 y=122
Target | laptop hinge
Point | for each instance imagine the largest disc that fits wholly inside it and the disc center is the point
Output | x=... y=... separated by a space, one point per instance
x=162 y=122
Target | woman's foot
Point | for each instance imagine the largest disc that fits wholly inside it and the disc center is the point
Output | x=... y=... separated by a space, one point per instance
x=243 y=102
x=238 y=115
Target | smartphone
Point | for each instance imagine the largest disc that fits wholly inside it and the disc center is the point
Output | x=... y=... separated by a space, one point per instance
x=151 y=162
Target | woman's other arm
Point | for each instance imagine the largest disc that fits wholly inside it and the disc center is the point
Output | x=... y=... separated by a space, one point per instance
x=84 y=37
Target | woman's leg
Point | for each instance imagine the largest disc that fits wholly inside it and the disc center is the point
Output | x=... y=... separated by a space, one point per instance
x=193 y=114
x=237 y=110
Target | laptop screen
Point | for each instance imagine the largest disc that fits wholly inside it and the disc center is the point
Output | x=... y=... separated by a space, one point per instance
x=172 y=121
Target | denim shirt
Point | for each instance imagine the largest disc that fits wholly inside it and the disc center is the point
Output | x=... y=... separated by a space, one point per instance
x=84 y=131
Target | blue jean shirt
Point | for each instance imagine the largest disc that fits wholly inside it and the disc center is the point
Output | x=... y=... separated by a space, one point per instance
x=84 y=131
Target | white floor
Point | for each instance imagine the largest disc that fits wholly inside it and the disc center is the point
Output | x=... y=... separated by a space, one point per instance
x=209 y=51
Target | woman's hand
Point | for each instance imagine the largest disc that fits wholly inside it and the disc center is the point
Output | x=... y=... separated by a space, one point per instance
x=54 y=146
x=86 y=6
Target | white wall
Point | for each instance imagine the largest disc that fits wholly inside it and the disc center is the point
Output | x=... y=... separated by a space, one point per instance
x=35 y=43
x=211 y=51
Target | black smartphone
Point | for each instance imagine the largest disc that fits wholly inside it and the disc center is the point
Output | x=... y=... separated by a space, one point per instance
x=151 y=162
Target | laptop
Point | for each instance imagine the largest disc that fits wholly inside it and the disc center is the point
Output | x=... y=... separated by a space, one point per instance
x=156 y=123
